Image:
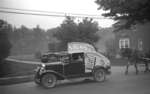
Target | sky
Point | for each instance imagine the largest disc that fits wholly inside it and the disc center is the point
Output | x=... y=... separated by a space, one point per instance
x=66 y=6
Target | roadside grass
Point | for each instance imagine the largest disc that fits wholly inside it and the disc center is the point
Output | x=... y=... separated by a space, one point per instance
x=11 y=68
x=29 y=57
x=15 y=72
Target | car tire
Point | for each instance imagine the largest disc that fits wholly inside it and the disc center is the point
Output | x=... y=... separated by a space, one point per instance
x=37 y=82
x=48 y=80
x=99 y=75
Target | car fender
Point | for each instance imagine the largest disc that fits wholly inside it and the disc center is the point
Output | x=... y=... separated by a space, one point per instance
x=98 y=67
x=106 y=69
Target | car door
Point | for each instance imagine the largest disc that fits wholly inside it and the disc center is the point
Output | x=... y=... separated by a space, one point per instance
x=75 y=67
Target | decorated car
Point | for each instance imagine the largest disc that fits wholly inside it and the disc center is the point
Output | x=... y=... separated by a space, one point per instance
x=80 y=61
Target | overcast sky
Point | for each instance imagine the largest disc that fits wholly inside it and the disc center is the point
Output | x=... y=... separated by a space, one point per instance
x=66 y=6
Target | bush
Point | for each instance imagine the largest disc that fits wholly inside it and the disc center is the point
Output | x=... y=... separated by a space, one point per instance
x=5 y=44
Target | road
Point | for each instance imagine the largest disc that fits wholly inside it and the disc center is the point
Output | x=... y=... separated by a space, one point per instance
x=116 y=83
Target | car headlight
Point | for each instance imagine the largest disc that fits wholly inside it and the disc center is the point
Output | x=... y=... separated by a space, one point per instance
x=42 y=69
x=43 y=65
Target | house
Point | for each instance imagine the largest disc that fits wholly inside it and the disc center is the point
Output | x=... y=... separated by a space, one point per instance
x=137 y=38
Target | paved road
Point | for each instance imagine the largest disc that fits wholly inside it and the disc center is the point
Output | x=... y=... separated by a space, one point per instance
x=117 y=83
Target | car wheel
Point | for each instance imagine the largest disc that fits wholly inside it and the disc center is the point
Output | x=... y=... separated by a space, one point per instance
x=99 y=75
x=37 y=82
x=48 y=80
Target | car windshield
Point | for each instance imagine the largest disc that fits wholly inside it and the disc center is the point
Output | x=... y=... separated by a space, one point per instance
x=50 y=58
x=53 y=58
x=57 y=57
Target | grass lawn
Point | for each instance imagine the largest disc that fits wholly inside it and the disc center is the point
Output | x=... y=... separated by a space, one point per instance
x=10 y=68
x=29 y=57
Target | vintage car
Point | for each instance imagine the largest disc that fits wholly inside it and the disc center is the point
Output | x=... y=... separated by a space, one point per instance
x=76 y=62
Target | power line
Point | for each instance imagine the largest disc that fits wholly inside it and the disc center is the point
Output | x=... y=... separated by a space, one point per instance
x=31 y=10
x=25 y=13
x=46 y=13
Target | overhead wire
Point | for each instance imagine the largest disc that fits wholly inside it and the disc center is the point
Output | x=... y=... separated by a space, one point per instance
x=46 y=13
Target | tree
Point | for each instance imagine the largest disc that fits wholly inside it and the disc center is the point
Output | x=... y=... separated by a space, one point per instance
x=87 y=30
x=84 y=31
x=67 y=31
x=28 y=40
x=126 y=12
x=5 y=44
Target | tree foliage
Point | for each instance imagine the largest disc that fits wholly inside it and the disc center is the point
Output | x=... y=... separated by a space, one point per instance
x=5 y=44
x=27 y=41
x=126 y=12
x=84 y=31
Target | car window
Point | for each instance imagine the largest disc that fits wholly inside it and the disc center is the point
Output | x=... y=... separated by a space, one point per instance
x=77 y=58
x=53 y=58
x=50 y=58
